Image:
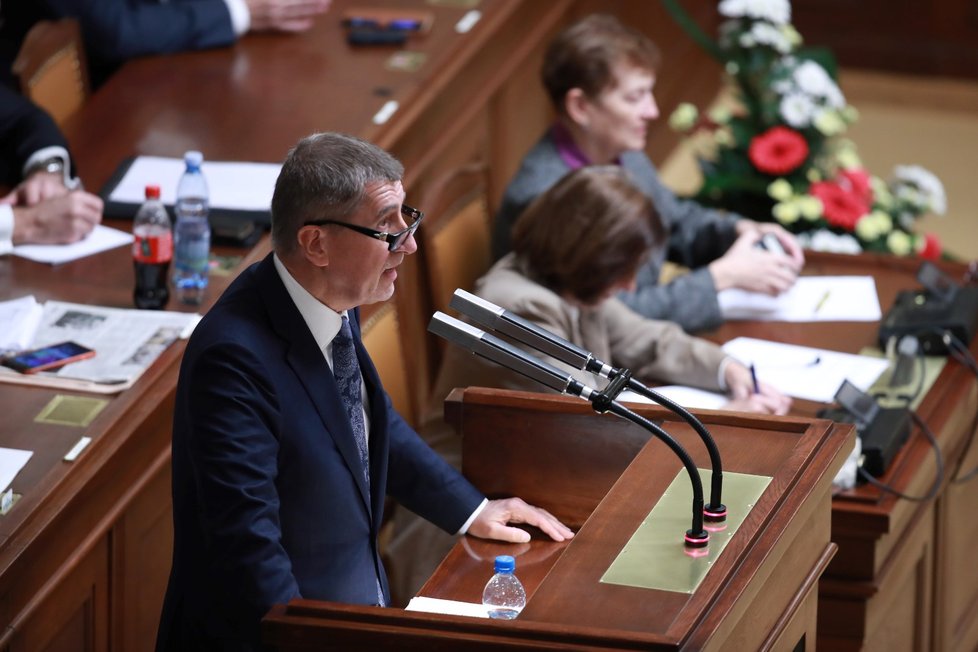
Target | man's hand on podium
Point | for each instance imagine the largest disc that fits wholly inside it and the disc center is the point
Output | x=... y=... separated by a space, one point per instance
x=494 y=522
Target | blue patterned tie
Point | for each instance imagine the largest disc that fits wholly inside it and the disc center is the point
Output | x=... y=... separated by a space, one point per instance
x=346 y=371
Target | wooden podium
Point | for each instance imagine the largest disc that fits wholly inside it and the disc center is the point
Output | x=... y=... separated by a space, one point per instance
x=602 y=476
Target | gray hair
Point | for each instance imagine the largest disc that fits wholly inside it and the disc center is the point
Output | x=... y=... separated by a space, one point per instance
x=324 y=177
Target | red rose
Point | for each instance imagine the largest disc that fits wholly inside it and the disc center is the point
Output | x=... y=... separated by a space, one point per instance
x=778 y=151
x=856 y=181
x=840 y=207
x=932 y=247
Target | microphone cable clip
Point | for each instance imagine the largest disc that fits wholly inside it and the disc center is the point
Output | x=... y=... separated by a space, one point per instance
x=602 y=400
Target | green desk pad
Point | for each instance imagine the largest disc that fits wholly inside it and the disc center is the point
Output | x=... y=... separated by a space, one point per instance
x=655 y=557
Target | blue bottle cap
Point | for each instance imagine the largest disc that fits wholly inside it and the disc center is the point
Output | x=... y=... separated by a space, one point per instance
x=505 y=564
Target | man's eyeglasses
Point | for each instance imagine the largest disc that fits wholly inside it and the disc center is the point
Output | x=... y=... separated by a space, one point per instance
x=393 y=240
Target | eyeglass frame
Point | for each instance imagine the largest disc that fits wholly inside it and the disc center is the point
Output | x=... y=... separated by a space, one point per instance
x=393 y=240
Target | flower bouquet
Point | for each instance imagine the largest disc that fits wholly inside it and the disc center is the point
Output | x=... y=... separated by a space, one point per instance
x=780 y=153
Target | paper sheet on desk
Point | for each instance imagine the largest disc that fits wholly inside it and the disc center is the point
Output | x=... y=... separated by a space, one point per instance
x=18 y=321
x=102 y=238
x=802 y=371
x=12 y=460
x=811 y=298
x=452 y=607
x=233 y=185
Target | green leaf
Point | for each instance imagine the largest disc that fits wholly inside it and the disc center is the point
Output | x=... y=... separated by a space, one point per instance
x=693 y=30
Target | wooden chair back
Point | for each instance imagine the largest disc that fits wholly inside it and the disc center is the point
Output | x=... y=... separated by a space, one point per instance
x=51 y=68
x=380 y=332
x=455 y=238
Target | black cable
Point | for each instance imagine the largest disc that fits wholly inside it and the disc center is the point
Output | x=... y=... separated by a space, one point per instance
x=938 y=474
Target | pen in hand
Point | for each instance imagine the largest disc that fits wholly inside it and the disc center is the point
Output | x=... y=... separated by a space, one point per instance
x=753 y=377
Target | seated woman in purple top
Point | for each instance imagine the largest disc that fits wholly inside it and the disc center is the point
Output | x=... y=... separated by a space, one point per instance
x=600 y=76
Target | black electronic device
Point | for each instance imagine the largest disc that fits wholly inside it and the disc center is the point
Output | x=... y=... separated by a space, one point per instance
x=47 y=357
x=941 y=306
x=882 y=431
x=376 y=36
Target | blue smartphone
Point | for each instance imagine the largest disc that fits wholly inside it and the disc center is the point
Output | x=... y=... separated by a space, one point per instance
x=47 y=357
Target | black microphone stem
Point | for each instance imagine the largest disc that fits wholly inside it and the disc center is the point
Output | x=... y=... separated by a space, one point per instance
x=696 y=536
x=716 y=510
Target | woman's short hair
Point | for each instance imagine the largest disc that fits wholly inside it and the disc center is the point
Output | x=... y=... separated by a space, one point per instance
x=586 y=233
x=584 y=55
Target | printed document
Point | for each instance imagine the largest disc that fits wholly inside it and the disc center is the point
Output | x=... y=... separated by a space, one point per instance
x=125 y=341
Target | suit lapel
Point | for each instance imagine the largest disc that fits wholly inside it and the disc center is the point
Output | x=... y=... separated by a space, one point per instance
x=310 y=367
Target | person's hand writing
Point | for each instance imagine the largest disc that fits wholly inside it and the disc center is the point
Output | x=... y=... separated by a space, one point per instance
x=36 y=188
x=493 y=522
x=58 y=220
x=748 y=267
x=740 y=384
x=285 y=15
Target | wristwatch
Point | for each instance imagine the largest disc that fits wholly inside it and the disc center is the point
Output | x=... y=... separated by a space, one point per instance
x=53 y=165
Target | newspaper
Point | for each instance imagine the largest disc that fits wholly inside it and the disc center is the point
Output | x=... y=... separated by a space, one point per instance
x=126 y=342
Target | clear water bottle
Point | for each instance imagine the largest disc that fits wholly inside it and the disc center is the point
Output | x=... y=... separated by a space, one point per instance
x=152 y=251
x=192 y=234
x=504 y=596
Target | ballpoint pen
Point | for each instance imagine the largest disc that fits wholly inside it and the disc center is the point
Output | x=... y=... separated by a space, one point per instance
x=821 y=302
x=753 y=376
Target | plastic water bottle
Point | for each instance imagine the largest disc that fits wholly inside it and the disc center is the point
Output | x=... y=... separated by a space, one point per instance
x=152 y=251
x=192 y=234
x=504 y=596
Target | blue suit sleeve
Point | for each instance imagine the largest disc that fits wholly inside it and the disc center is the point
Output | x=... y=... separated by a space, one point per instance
x=424 y=482
x=115 y=31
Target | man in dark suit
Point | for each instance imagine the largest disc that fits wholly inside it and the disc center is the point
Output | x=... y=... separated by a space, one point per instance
x=117 y=30
x=280 y=468
x=44 y=205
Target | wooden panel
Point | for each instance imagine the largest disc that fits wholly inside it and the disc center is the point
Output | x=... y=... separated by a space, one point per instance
x=75 y=618
x=926 y=38
x=141 y=553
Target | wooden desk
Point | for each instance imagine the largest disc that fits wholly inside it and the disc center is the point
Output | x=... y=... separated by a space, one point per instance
x=900 y=580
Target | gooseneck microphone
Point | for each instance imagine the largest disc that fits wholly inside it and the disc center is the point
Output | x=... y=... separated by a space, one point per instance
x=526 y=332
x=504 y=354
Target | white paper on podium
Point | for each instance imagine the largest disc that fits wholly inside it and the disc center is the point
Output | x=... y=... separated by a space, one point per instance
x=805 y=372
x=811 y=298
x=451 y=607
x=233 y=185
